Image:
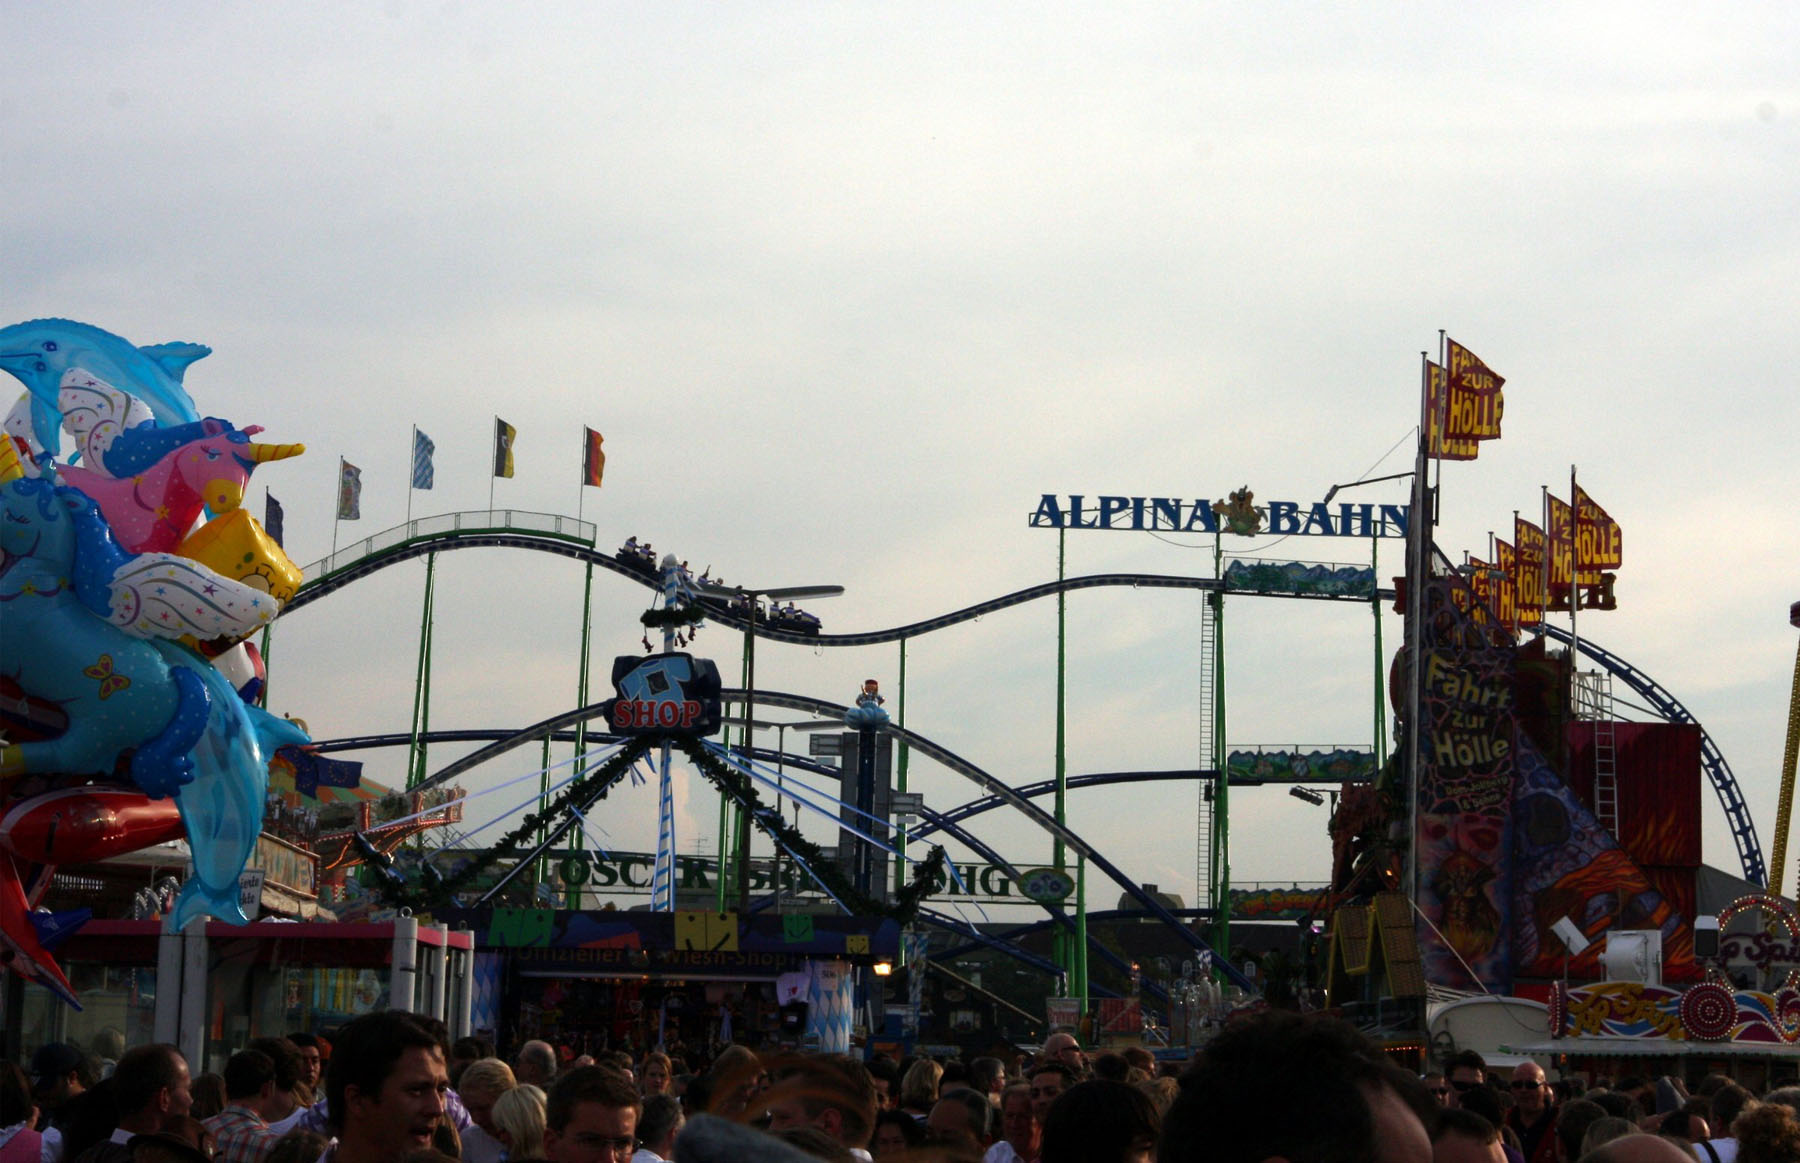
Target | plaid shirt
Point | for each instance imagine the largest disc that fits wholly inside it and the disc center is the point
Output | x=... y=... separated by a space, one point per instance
x=240 y=1135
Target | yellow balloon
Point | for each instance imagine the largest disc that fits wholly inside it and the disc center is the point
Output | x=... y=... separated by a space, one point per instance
x=234 y=544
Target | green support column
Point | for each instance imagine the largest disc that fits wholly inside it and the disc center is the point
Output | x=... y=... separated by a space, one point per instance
x=543 y=832
x=421 y=714
x=581 y=700
x=1221 y=851
x=262 y=699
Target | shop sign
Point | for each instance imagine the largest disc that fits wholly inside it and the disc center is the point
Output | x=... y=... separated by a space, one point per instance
x=663 y=693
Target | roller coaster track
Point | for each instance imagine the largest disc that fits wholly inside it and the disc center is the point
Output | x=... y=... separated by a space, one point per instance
x=564 y=545
x=574 y=540
x=1718 y=772
x=935 y=822
x=944 y=756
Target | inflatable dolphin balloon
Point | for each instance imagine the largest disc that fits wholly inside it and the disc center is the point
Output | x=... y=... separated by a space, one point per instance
x=41 y=351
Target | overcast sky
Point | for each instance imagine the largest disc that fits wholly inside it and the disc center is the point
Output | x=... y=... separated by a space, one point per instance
x=847 y=287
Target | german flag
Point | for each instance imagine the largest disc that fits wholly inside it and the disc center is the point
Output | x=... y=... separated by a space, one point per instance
x=593 y=462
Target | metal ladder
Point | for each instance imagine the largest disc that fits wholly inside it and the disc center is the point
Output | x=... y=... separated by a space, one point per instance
x=1203 y=825
x=1593 y=699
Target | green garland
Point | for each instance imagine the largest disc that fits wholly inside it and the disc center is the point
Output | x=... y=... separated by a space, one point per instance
x=926 y=878
x=445 y=888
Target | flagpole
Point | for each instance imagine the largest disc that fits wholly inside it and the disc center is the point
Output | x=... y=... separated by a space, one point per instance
x=581 y=489
x=495 y=467
x=1443 y=424
x=337 y=510
x=411 y=455
x=1418 y=536
x=1574 y=579
x=1518 y=597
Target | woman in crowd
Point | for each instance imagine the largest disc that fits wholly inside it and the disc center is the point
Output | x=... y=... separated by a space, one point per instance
x=519 y=1122
x=919 y=1088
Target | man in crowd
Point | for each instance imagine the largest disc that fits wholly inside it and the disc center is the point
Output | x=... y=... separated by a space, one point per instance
x=1021 y=1138
x=1048 y=1079
x=1439 y=1087
x=885 y=1074
x=385 y=1088
x=1062 y=1047
x=1301 y=1087
x=150 y=1086
x=962 y=1121
x=60 y=1073
x=1467 y=1071
x=241 y=1131
x=285 y=1108
x=1533 y=1113
x=591 y=1117
x=536 y=1064
x=831 y=1094
x=657 y=1128
x=1465 y=1137
x=312 y=1064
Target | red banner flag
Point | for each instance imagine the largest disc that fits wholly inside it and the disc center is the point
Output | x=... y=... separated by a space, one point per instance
x=1481 y=583
x=1438 y=443
x=1528 y=575
x=1562 y=551
x=1506 y=584
x=1475 y=402
x=593 y=461
x=1599 y=543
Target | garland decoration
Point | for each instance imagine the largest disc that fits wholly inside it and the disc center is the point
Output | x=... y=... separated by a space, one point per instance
x=926 y=878
x=442 y=889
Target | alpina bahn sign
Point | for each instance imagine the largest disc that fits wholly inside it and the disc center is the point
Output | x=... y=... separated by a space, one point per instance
x=1237 y=514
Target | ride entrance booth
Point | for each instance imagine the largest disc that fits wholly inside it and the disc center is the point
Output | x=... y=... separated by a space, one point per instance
x=631 y=980
x=212 y=987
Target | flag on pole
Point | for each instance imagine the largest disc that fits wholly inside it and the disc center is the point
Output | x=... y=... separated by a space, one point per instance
x=503 y=446
x=1599 y=543
x=1562 y=552
x=1506 y=584
x=422 y=474
x=272 y=517
x=1474 y=402
x=349 y=491
x=1438 y=442
x=593 y=462
x=1481 y=585
x=1528 y=576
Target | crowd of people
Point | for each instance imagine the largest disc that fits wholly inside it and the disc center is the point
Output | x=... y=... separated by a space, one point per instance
x=391 y=1087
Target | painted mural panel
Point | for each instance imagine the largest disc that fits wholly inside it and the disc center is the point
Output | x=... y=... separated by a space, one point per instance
x=1464 y=821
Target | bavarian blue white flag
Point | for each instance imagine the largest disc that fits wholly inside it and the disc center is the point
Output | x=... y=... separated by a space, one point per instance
x=421 y=465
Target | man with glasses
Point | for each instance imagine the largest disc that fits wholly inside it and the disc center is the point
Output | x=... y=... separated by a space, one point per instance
x=1467 y=1071
x=591 y=1117
x=1439 y=1088
x=1533 y=1114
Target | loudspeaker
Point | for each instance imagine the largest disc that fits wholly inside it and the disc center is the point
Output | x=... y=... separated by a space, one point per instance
x=1706 y=937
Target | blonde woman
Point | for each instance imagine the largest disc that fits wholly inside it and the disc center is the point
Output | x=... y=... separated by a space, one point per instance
x=519 y=1119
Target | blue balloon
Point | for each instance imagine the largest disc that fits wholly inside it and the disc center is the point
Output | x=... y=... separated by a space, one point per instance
x=39 y=352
